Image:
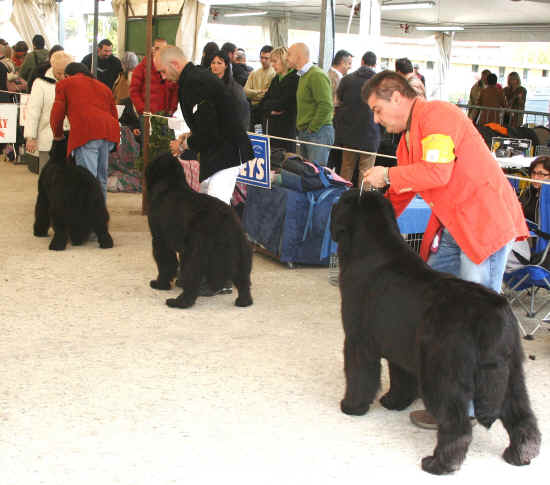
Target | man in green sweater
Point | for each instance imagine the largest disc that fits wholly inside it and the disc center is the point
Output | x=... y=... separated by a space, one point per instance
x=314 y=105
x=33 y=59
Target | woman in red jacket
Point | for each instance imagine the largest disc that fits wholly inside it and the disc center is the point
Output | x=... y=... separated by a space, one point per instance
x=90 y=107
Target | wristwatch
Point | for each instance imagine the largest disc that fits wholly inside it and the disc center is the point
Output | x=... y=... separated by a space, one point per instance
x=387 y=175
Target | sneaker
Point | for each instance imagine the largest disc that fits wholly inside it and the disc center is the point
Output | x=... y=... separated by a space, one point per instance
x=205 y=290
x=423 y=419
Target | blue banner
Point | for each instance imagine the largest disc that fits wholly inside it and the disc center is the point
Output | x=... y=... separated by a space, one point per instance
x=257 y=171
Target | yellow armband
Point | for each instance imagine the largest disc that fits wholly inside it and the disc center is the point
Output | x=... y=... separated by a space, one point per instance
x=438 y=148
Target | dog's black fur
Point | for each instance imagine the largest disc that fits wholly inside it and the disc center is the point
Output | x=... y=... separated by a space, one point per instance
x=450 y=340
x=71 y=201
x=204 y=231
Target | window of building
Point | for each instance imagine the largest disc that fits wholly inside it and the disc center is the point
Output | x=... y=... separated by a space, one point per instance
x=544 y=73
x=475 y=67
x=525 y=74
x=429 y=64
x=501 y=71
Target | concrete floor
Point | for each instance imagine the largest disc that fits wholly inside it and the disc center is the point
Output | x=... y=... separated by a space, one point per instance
x=103 y=384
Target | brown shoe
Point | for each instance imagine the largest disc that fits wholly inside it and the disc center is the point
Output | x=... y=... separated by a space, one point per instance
x=423 y=419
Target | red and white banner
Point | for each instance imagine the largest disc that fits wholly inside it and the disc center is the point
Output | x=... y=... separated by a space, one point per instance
x=8 y=123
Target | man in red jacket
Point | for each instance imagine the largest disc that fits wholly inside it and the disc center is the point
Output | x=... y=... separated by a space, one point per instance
x=164 y=94
x=90 y=106
x=476 y=215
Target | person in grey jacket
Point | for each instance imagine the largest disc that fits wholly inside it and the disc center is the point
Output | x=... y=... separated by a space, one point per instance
x=354 y=122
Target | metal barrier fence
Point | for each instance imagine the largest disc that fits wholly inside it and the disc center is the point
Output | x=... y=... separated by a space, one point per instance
x=530 y=118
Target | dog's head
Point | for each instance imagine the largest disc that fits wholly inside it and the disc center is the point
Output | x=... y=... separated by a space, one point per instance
x=361 y=221
x=164 y=168
x=58 y=151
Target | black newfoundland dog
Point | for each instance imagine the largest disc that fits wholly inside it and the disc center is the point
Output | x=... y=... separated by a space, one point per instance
x=71 y=201
x=445 y=339
x=204 y=231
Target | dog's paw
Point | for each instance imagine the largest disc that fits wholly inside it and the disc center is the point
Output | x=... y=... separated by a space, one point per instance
x=105 y=241
x=243 y=301
x=159 y=285
x=432 y=465
x=56 y=245
x=514 y=457
x=395 y=402
x=352 y=409
x=180 y=302
x=40 y=232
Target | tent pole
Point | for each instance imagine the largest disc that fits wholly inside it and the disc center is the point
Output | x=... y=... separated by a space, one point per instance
x=147 y=119
x=94 y=42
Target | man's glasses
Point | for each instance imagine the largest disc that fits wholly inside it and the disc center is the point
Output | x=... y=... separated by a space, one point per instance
x=540 y=174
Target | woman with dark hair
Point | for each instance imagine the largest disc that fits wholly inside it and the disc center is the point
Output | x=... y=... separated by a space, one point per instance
x=492 y=97
x=539 y=170
x=78 y=68
x=208 y=53
x=221 y=67
x=515 y=95
x=90 y=106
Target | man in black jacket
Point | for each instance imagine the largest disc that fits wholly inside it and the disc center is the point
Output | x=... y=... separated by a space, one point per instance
x=209 y=110
x=354 y=122
x=108 y=66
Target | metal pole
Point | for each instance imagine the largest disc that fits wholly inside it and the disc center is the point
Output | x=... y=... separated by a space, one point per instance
x=60 y=23
x=326 y=42
x=94 y=42
x=147 y=119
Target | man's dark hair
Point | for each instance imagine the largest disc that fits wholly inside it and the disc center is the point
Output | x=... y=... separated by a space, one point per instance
x=340 y=56
x=104 y=42
x=38 y=42
x=369 y=58
x=403 y=65
x=54 y=49
x=21 y=46
x=492 y=79
x=265 y=49
x=77 y=68
x=228 y=47
x=383 y=84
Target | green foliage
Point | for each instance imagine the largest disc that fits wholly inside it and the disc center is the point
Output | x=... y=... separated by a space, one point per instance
x=160 y=139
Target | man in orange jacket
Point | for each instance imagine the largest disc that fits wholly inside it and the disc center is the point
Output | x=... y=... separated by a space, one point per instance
x=476 y=215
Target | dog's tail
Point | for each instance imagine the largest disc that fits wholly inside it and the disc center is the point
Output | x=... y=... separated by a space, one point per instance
x=499 y=352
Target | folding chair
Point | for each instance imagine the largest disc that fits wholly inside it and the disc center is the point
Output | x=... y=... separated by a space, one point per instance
x=533 y=279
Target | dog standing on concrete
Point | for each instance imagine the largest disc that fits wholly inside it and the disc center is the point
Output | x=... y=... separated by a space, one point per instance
x=202 y=229
x=71 y=201
x=449 y=340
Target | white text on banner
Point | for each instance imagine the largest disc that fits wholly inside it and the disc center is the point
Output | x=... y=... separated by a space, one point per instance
x=257 y=171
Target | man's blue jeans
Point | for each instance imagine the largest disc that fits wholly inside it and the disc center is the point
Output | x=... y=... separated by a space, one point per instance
x=94 y=156
x=324 y=135
x=450 y=259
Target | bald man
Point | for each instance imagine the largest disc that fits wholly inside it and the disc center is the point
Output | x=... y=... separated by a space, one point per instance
x=314 y=104
x=209 y=111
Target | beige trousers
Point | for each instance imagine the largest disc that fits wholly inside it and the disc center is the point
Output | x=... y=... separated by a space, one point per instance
x=349 y=162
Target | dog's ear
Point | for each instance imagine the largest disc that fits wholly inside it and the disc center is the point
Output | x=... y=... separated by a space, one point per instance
x=342 y=214
x=58 y=151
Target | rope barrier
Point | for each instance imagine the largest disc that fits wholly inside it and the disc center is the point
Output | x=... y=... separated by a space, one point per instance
x=293 y=140
x=525 y=179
